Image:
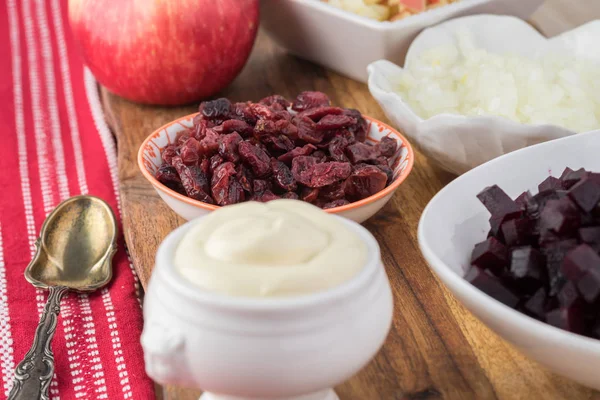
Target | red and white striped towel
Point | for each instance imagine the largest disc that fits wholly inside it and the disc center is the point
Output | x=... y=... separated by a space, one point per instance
x=55 y=144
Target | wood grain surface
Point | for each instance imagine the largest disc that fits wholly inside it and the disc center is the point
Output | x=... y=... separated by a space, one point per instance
x=436 y=349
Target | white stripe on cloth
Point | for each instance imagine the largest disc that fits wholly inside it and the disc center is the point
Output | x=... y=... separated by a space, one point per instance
x=68 y=91
x=89 y=330
x=13 y=18
x=7 y=360
x=108 y=143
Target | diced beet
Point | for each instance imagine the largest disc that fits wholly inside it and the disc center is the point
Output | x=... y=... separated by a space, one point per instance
x=589 y=284
x=561 y=216
x=579 y=261
x=490 y=254
x=491 y=285
x=555 y=253
x=540 y=200
x=595 y=332
x=550 y=183
x=536 y=305
x=499 y=204
x=517 y=231
x=568 y=295
x=590 y=234
x=572 y=177
x=527 y=269
x=586 y=194
x=568 y=318
x=524 y=199
x=564 y=174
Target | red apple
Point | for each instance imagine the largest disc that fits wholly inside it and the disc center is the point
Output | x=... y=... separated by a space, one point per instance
x=164 y=51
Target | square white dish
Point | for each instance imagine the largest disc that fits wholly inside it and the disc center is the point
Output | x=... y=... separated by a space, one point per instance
x=458 y=143
x=347 y=43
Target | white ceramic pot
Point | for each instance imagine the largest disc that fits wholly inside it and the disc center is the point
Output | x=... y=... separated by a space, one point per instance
x=237 y=348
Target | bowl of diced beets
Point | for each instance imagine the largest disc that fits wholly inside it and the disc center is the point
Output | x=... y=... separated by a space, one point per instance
x=517 y=241
x=306 y=149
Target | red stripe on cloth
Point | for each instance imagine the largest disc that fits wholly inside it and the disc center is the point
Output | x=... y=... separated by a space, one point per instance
x=55 y=147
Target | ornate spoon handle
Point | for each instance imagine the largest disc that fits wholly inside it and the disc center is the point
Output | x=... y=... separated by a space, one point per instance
x=34 y=374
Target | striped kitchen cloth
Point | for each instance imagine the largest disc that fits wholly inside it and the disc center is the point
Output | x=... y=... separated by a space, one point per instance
x=55 y=144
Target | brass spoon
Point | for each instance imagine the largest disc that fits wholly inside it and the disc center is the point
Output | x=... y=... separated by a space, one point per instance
x=74 y=252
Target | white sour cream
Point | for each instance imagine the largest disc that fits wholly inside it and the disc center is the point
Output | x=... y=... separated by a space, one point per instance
x=280 y=248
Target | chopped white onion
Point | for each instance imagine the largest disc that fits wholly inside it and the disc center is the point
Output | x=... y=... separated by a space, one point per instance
x=463 y=79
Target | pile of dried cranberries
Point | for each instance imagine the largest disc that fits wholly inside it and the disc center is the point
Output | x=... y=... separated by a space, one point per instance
x=262 y=151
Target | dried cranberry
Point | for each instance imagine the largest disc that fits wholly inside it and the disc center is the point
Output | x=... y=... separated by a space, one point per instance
x=335 y=203
x=360 y=152
x=282 y=176
x=244 y=176
x=336 y=148
x=234 y=125
x=205 y=167
x=242 y=112
x=365 y=181
x=182 y=138
x=265 y=196
x=278 y=143
x=286 y=127
x=307 y=130
x=320 y=156
x=326 y=173
x=302 y=168
x=225 y=187
x=261 y=111
x=290 y=195
x=168 y=153
x=210 y=144
x=307 y=100
x=228 y=146
x=190 y=151
x=309 y=195
x=275 y=99
x=387 y=171
x=297 y=152
x=215 y=161
x=200 y=127
x=330 y=122
x=335 y=191
x=361 y=128
x=317 y=113
x=167 y=175
x=261 y=185
x=255 y=157
x=215 y=109
x=193 y=180
x=387 y=146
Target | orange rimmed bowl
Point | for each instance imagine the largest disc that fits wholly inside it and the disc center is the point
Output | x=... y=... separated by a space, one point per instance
x=150 y=159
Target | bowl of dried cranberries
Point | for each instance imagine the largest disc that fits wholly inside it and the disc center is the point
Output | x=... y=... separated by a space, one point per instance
x=306 y=149
x=517 y=241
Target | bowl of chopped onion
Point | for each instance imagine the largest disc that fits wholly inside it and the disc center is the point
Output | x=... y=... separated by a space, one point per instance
x=477 y=87
x=347 y=35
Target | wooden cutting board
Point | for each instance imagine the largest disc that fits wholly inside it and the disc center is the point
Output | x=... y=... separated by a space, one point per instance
x=436 y=349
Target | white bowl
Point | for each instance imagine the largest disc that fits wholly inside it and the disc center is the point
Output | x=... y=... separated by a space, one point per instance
x=458 y=143
x=292 y=348
x=455 y=220
x=347 y=43
x=149 y=160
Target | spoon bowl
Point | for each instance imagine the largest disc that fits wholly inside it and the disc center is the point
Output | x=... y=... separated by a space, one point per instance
x=76 y=245
x=74 y=252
